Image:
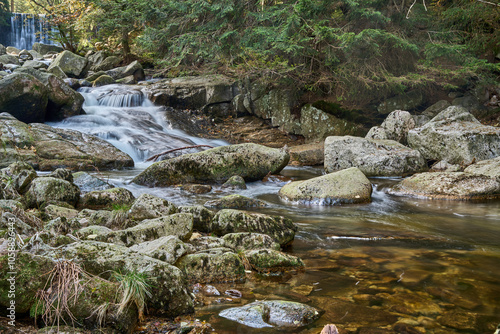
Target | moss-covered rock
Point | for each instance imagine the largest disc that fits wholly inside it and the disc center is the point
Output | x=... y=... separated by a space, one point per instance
x=281 y=229
x=106 y=198
x=202 y=217
x=244 y=241
x=54 y=211
x=168 y=249
x=213 y=265
x=272 y=261
x=343 y=187
x=235 y=182
x=250 y=161
x=45 y=190
x=71 y=64
x=235 y=202
x=21 y=175
x=490 y=167
x=178 y=224
x=91 y=232
x=395 y=127
x=103 y=80
x=308 y=154
x=96 y=217
x=207 y=242
x=449 y=185
x=148 y=206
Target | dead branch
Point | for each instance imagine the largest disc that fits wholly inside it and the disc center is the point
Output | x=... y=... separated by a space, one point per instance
x=156 y=156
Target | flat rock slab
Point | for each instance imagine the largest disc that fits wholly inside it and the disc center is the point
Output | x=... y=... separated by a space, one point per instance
x=448 y=185
x=490 y=167
x=374 y=157
x=347 y=186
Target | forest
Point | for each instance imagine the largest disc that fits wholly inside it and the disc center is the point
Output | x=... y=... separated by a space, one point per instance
x=355 y=52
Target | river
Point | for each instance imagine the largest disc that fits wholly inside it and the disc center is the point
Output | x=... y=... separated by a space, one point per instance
x=395 y=265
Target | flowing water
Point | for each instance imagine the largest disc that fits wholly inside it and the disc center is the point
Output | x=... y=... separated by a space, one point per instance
x=25 y=30
x=396 y=265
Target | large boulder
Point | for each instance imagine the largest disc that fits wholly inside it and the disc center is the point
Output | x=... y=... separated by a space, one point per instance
x=9 y=59
x=148 y=206
x=395 y=127
x=281 y=314
x=71 y=64
x=343 y=187
x=107 y=198
x=21 y=174
x=250 y=161
x=24 y=97
x=272 y=261
x=373 y=157
x=281 y=229
x=44 y=190
x=244 y=241
x=449 y=185
x=88 y=183
x=168 y=248
x=48 y=148
x=235 y=202
x=134 y=68
x=43 y=49
x=490 y=167
x=457 y=137
x=63 y=100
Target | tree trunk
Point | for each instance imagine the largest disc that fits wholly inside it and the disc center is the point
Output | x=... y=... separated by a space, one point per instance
x=125 y=46
x=12 y=6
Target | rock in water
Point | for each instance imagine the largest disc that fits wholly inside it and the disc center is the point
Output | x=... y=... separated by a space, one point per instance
x=347 y=186
x=217 y=165
x=273 y=313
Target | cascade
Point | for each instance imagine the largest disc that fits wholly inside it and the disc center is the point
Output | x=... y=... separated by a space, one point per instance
x=25 y=30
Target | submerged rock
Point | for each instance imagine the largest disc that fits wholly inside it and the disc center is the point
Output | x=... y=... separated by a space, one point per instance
x=347 y=186
x=250 y=161
x=373 y=157
x=235 y=202
x=273 y=313
x=449 y=185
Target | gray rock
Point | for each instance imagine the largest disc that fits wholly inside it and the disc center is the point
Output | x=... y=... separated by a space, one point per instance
x=3 y=50
x=58 y=72
x=148 y=206
x=444 y=185
x=235 y=202
x=373 y=157
x=92 y=231
x=277 y=107
x=54 y=211
x=202 y=217
x=407 y=101
x=448 y=137
x=134 y=68
x=13 y=50
x=343 y=187
x=395 y=127
x=107 y=64
x=21 y=174
x=9 y=59
x=308 y=155
x=436 y=108
x=281 y=229
x=208 y=242
x=249 y=241
x=444 y=166
x=490 y=167
x=88 y=183
x=44 y=190
x=63 y=174
x=9 y=220
x=272 y=261
x=43 y=49
x=103 y=80
x=36 y=64
x=250 y=161
x=107 y=198
x=168 y=249
x=235 y=182
x=71 y=64
x=273 y=313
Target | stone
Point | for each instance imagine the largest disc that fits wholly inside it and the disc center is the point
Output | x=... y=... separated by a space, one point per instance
x=212 y=266
x=407 y=101
x=490 y=167
x=35 y=64
x=250 y=161
x=88 y=183
x=10 y=220
x=62 y=173
x=436 y=108
x=448 y=137
x=3 y=50
x=272 y=261
x=235 y=182
x=43 y=49
x=273 y=313
x=373 y=157
x=148 y=206
x=9 y=59
x=104 y=63
x=202 y=217
x=276 y=105
x=103 y=80
x=134 y=68
x=58 y=72
x=208 y=242
x=194 y=188
x=21 y=174
x=44 y=190
x=54 y=211
x=91 y=232
x=235 y=202
x=245 y=241
x=445 y=166
x=448 y=185
x=168 y=248
x=13 y=50
x=71 y=64
x=281 y=229
x=24 y=96
x=348 y=186
x=178 y=224
x=312 y=154
x=395 y=127
x=106 y=198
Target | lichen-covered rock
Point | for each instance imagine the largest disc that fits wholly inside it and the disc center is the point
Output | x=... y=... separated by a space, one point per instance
x=208 y=242
x=134 y=68
x=235 y=182
x=71 y=64
x=178 y=224
x=490 y=167
x=373 y=157
x=194 y=188
x=281 y=229
x=21 y=174
x=103 y=80
x=347 y=186
x=312 y=154
x=91 y=232
x=44 y=190
x=250 y=161
x=96 y=217
x=9 y=220
x=456 y=136
x=202 y=217
x=244 y=241
x=106 y=198
x=148 y=206
x=43 y=49
x=168 y=249
x=106 y=64
x=88 y=183
x=235 y=202
x=9 y=59
x=211 y=266
x=24 y=97
x=444 y=185
x=272 y=261
x=395 y=127
x=273 y=313
x=54 y=211
x=169 y=289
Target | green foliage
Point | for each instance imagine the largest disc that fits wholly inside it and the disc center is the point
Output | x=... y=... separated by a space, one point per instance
x=135 y=288
x=4 y=12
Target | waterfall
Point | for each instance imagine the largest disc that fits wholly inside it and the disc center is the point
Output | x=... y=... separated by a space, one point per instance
x=25 y=30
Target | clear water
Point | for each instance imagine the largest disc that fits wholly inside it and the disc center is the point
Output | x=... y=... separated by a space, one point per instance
x=395 y=265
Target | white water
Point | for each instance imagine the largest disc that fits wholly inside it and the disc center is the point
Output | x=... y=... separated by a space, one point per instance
x=27 y=29
x=126 y=118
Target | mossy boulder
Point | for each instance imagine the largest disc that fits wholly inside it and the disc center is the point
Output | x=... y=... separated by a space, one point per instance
x=45 y=190
x=97 y=217
x=202 y=217
x=272 y=261
x=168 y=249
x=91 y=232
x=372 y=156
x=449 y=185
x=71 y=64
x=88 y=183
x=235 y=182
x=54 y=211
x=244 y=241
x=235 y=202
x=347 y=186
x=250 y=161
x=178 y=224
x=103 y=80
x=281 y=314
x=134 y=68
x=148 y=206
x=106 y=64
x=106 y=198
x=21 y=174
x=43 y=49
x=211 y=266
x=281 y=229
x=208 y=242
x=312 y=154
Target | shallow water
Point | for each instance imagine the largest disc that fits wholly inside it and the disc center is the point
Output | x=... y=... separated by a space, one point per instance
x=395 y=265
